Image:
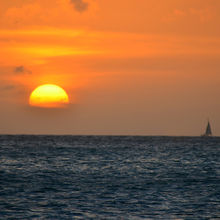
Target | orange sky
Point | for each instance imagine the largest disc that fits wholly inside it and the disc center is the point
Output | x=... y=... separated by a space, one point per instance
x=147 y=67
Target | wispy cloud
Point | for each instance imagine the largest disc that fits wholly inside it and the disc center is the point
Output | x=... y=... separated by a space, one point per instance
x=80 y=5
x=7 y=87
x=194 y=14
x=21 y=70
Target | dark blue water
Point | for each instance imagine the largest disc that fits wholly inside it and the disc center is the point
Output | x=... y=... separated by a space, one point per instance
x=91 y=177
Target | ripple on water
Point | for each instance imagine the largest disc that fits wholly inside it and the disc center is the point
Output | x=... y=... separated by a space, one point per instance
x=92 y=177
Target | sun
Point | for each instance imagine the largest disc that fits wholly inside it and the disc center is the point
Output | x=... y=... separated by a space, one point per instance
x=49 y=96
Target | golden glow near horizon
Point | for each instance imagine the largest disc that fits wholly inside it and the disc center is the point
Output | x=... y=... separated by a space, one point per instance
x=49 y=96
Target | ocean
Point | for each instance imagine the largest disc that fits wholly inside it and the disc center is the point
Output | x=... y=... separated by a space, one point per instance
x=109 y=177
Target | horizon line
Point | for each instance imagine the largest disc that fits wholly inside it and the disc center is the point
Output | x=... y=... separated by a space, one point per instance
x=110 y=135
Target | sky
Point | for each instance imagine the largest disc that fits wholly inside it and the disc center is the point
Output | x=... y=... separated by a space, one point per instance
x=146 y=67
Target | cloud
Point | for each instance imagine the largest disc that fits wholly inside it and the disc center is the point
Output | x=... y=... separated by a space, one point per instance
x=21 y=70
x=80 y=5
x=192 y=14
x=7 y=87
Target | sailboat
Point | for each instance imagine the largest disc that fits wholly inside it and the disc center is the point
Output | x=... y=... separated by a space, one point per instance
x=208 y=132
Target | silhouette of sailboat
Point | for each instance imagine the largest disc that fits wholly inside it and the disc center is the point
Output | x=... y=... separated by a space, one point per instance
x=208 y=132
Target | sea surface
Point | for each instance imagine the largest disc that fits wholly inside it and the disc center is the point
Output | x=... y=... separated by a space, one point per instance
x=109 y=177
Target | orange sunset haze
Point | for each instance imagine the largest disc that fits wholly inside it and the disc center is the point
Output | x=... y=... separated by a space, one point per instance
x=147 y=67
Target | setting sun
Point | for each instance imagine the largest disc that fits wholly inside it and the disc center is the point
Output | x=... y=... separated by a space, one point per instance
x=49 y=96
